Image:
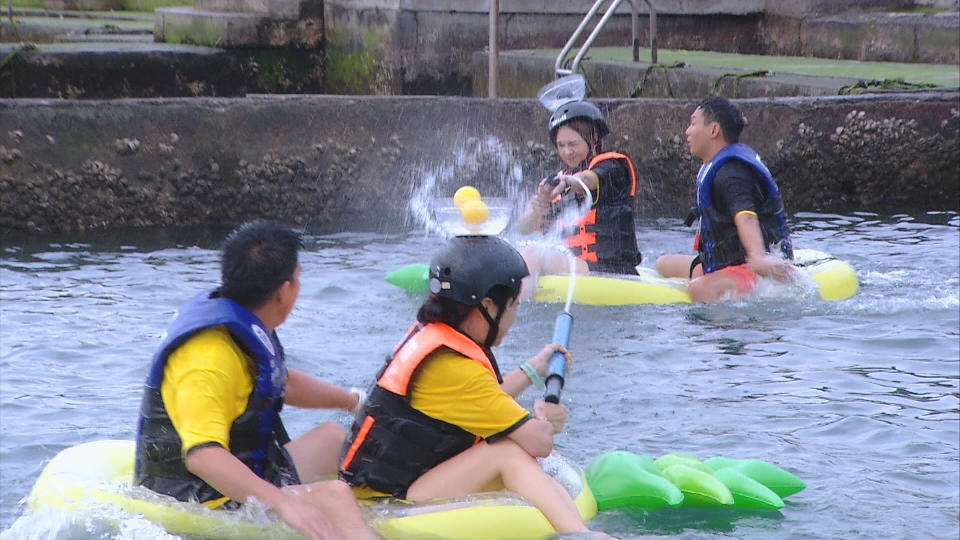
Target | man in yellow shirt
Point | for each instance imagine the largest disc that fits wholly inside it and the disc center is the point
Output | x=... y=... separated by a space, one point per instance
x=209 y=428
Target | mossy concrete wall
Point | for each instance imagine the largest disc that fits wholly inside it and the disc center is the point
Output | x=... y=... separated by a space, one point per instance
x=351 y=163
x=138 y=70
x=424 y=46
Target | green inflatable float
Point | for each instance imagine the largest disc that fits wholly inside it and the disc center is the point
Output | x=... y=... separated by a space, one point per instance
x=623 y=478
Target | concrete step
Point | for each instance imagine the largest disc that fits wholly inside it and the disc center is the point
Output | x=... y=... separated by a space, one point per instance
x=187 y=24
x=52 y=27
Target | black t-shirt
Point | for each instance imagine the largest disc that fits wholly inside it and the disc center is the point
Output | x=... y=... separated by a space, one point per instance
x=613 y=180
x=737 y=187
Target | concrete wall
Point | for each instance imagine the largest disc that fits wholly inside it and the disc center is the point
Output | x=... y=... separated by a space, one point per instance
x=523 y=73
x=424 y=46
x=351 y=163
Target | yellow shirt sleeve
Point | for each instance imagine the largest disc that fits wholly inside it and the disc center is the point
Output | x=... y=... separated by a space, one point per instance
x=206 y=385
x=461 y=391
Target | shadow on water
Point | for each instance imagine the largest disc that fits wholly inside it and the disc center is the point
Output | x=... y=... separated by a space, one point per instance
x=695 y=522
x=139 y=239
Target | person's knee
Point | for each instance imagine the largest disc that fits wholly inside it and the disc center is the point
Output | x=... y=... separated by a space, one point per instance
x=332 y=429
x=332 y=490
x=662 y=264
x=705 y=289
x=507 y=451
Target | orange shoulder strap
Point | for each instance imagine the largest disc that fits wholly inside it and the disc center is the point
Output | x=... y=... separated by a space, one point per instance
x=616 y=155
x=396 y=378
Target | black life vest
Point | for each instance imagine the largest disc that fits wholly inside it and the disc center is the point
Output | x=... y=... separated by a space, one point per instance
x=255 y=436
x=606 y=236
x=717 y=241
x=394 y=444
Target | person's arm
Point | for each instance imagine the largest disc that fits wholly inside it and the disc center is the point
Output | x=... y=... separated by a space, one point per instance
x=587 y=177
x=228 y=475
x=305 y=391
x=737 y=188
x=532 y=220
x=515 y=382
x=205 y=387
x=536 y=434
x=748 y=230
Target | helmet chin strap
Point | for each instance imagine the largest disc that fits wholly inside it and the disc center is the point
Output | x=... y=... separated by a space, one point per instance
x=494 y=324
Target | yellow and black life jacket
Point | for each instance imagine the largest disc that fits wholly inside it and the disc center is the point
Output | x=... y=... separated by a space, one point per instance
x=392 y=444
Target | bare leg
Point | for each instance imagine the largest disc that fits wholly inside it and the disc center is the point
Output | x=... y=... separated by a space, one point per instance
x=335 y=499
x=675 y=265
x=542 y=259
x=503 y=464
x=316 y=453
x=712 y=288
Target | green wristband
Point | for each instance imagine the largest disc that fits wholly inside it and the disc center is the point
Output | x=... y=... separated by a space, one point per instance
x=532 y=375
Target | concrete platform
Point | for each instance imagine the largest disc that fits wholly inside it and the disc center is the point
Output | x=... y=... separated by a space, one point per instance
x=51 y=27
x=114 y=70
x=695 y=74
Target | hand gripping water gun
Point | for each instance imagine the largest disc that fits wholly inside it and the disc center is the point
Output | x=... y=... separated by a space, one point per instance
x=557 y=365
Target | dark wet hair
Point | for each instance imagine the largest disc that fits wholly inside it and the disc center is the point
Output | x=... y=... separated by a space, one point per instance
x=584 y=127
x=720 y=110
x=257 y=258
x=452 y=313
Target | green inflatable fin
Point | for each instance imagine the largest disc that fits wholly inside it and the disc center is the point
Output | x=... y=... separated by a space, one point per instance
x=413 y=277
x=622 y=478
x=667 y=460
x=774 y=478
x=748 y=493
x=700 y=489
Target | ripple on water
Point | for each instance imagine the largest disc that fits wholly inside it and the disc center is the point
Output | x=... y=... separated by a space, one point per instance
x=857 y=397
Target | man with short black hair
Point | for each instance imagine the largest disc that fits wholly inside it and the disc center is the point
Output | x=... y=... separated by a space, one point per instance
x=210 y=429
x=742 y=222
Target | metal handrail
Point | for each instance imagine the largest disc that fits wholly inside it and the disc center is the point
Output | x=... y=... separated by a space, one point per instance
x=561 y=71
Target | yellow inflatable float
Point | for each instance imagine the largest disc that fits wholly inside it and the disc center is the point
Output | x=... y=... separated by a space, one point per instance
x=93 y=480
x=834 y=280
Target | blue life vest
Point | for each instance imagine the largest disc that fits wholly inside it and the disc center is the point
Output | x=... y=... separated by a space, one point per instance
x=718 y=244
x=255 y=436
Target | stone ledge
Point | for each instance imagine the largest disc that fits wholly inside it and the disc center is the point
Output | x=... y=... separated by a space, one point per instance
x=73 y=165
x=523 y=73
x=235 y=29
x=209 y=28
x=792 y=8
x=566 y=7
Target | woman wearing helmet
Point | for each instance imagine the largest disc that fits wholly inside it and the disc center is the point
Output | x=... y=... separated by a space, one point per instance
x=603 y=238
x=441 y=421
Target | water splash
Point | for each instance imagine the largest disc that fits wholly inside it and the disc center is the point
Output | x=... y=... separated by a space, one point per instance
x=486 y=162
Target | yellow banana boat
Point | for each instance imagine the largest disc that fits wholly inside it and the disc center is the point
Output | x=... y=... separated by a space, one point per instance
x=93 y=480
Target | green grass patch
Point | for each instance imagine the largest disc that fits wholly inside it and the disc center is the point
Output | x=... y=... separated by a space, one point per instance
x=944 y=75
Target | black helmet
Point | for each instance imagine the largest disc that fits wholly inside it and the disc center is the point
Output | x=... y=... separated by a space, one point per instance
x=578 y=109
x=469 y=266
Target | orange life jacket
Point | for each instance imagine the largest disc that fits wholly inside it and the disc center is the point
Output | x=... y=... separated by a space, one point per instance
x=606 y=219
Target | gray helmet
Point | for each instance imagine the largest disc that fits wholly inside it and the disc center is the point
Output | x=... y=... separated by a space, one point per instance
x=578 y=109
x=469 y=266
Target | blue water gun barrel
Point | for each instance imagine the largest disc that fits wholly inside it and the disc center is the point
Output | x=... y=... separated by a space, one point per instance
x=557 y=365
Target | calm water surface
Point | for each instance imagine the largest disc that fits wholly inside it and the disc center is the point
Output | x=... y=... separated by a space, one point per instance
x=857 y=397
